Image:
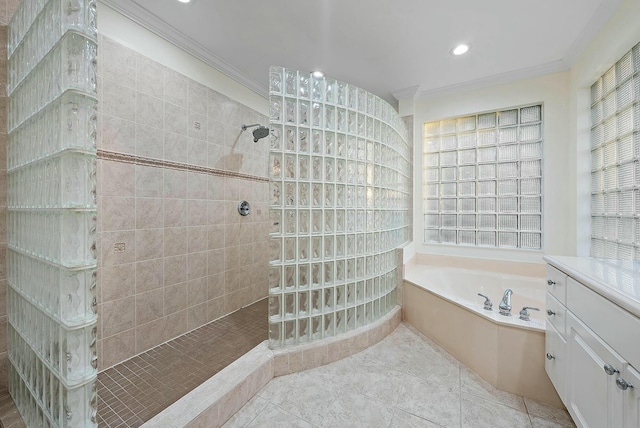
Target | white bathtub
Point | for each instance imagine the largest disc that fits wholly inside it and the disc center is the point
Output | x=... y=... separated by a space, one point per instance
x=461 y=287
x=443 y=303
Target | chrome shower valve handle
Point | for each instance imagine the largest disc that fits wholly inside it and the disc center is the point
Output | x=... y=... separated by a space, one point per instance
x=488 y=305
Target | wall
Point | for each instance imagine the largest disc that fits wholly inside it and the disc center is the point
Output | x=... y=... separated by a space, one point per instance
x=615 y=39
x=175 y=253
x=553 y=91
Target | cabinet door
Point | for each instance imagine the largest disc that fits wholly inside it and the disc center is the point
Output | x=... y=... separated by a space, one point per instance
x=555 y=361
x=593 y=400
x=632 y=398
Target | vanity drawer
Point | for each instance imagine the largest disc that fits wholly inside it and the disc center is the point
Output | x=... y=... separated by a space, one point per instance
x=557 y=315
x=557 y=284
x=615 y=326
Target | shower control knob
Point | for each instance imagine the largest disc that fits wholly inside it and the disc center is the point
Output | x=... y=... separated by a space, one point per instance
x=550 y=357
x=244 y=208
x=550 y=312
x=610 y=370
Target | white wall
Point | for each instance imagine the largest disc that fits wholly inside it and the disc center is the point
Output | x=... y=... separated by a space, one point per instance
x=616 y=38
x=551 y=90
x=126 y=32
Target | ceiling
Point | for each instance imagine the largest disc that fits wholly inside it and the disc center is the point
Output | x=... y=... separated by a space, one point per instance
x=395 y=49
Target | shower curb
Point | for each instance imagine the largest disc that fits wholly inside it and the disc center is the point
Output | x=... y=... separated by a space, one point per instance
x=219 y=398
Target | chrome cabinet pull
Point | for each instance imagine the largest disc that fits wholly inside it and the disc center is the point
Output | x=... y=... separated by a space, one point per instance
x=610 y=370
x=623 y=384
x=549 y=282
x=550 y=357
x=550 y=312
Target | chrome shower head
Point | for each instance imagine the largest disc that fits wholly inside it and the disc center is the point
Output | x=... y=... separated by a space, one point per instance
x=258 y=133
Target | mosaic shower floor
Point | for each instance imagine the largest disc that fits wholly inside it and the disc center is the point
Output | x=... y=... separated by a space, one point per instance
x=134 y=391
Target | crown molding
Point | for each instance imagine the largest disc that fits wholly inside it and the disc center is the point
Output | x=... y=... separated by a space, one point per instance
x=403 y=94
x=494 y=79
x=163 y=29
x=603 y=13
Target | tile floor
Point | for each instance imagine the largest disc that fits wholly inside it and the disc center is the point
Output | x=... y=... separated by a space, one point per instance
x=403 y=381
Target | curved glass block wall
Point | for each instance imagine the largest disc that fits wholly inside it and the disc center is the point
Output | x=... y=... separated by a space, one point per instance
x=339 y=206
x=51 y=172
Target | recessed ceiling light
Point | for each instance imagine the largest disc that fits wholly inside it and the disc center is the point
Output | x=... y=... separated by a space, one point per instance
x=317 y=74
x=460 y=49
x=184 y=1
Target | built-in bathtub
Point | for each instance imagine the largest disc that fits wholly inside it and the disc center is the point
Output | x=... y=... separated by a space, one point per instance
x=442 y=302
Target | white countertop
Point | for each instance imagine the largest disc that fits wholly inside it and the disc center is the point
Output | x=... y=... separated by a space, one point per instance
x=616 y=280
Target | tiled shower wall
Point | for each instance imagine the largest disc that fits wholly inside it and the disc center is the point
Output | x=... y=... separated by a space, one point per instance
x=7 y=8
x=173 y=165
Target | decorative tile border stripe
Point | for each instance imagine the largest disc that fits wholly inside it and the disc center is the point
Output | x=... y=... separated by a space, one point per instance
x=157 y=163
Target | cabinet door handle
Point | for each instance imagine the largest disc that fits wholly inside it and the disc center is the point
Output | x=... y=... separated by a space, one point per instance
x=550 y=312
x=550 y=357
x=623 y=384
x=610 y=370
x=550 y=282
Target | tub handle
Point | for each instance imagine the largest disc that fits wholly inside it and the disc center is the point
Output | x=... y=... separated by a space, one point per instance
x=524 y=313
x=488 y=306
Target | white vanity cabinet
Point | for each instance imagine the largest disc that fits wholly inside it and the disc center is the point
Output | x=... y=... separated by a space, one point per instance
x=592 y=346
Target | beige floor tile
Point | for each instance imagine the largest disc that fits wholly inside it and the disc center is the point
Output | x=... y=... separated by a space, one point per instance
x=276 y=417
x=551 y=413
x=407 y=420
x=479 y=413
x=248 y=413
x=538 y=422
x=473 y=384
x=431 y=401
x=354 y=409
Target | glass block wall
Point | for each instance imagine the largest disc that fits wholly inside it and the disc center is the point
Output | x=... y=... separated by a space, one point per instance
x=339 y=206
x=615 y=150
x=482 y=179
x=51 y=168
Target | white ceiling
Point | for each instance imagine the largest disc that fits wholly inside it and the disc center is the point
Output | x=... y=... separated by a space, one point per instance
x=387 y=47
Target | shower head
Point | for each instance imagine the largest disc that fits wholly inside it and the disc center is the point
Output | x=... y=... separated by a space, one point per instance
x=258 y=133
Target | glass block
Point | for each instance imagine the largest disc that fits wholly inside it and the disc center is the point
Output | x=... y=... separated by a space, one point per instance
x=531 y=222
x=291 y=82
x=487 y=154
x=507 y=222
x=304 y=85
x=531 y=168
x=432 y=220
x=486 y=188
x=531 y=204
x=508 y=135
x=486 y=221
x=508 y=170
x=448 y=127
x=448 y=220
x=487 y=138
x=508 y=117
x=466 y=124
x=487 y=120
x=448 y=189
x=448 y=158
x=467 y=140
x=449 y=142
x=448 y=236
x=448 y=174
x=508 y=239
x=531 y=150
x=507 y=187
x=431 y=205
x=466 y=205
x=486 y=204
x=508 y=205
x=466 y=221
x=466 y=156
x=531 y=186
x=530 y=240
x=431 y=129
x=290 y=110
x=486 y=239
x=467 y=188
x=448 y=205
x=508 y=152
x=531 y=114
x=431 y=236
x=487 y=171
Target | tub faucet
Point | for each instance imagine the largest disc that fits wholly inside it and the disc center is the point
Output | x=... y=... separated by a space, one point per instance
x=505 y=304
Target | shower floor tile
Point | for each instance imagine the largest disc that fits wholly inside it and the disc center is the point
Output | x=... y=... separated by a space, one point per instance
x=136 y=390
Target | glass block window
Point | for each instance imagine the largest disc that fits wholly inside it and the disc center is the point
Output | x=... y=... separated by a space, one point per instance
x=615 y=151
x=482 y=181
